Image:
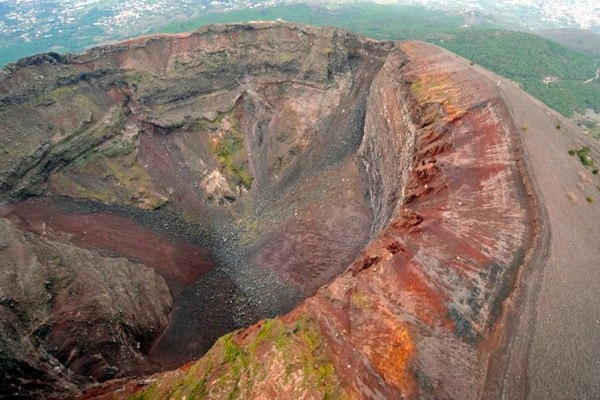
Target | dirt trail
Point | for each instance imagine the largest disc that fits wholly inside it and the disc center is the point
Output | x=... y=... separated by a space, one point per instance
x=554 y=353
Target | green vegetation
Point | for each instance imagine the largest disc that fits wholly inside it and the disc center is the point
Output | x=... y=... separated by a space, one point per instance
x=230 y=152
x=548 y=71
x=584 y=156
x=237 y=360
x=235 y=363
x=589 y=199
x=318 y=372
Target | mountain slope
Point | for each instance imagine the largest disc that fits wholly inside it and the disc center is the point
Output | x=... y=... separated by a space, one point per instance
x=563 y=79
x=370 y=219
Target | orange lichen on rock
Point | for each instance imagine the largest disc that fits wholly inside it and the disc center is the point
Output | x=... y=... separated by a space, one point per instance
x=439 y=89
x=392 y=351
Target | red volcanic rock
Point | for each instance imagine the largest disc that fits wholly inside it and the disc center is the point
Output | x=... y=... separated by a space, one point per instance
x=179 y=263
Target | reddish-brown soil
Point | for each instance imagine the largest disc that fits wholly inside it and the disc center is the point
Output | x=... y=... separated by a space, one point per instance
x=324 y=236
x=116 y=235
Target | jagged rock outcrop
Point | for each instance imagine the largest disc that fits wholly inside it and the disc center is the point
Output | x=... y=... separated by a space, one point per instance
x=71 y=316
x=373 y=196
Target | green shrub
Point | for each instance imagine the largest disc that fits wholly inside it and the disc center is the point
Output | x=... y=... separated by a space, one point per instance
x=584 y=156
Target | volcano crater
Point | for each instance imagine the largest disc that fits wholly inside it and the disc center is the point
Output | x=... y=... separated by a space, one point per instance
x=238 y=170
x=372 y=196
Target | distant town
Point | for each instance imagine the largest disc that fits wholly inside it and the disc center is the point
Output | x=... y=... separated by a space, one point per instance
x=33 y=26
x=584 y=14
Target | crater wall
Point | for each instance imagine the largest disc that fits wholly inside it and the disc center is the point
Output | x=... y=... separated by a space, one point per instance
x=355 y=212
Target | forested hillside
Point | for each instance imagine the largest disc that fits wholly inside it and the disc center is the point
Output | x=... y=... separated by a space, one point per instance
x=561 y=78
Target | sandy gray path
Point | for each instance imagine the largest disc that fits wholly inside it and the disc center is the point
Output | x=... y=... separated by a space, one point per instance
x=556 y=350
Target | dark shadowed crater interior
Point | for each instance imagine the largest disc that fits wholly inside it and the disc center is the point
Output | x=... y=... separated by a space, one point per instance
x=227 y=265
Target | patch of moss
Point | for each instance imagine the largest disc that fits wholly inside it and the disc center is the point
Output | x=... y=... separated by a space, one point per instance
x=231 y=351
x=198 y=390
x=264 y=332
x=312 y=339
x=235 y=363
x=361 y=300
x=243 y=177
x=149 y=394
x=318 y=371
x=231 y=154
x=193 y=385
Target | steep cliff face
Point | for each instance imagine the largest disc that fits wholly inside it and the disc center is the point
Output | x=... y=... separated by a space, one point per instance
x=361 y=210
x=71 y=316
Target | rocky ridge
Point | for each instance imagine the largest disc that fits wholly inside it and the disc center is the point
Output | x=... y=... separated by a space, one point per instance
x=264 y=164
